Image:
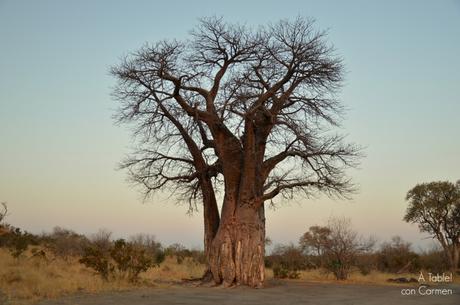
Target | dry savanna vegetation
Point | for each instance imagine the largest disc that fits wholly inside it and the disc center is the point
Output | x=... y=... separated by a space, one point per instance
x=29 y=279
x=62 y=262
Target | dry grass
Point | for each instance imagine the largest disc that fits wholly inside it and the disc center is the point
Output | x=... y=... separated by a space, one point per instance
x=29 y=279
x=171 y=271
x=373 y=278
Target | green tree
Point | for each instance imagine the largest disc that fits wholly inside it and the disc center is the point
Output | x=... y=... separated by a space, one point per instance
x=435 y=207
x=315 y=239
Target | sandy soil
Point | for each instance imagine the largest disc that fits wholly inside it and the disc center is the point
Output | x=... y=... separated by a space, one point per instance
x=277 y=293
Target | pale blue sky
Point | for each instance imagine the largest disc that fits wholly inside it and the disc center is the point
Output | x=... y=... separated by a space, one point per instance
x=59 y=146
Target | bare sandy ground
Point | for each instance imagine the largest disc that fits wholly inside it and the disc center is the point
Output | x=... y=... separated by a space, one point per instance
x=277 y=293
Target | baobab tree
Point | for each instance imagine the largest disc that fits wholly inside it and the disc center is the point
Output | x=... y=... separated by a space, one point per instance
x=240 y=111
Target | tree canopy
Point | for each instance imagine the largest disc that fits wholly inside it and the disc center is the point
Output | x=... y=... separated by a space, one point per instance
x=244 y=111
x=435 y=207
x=283 y=76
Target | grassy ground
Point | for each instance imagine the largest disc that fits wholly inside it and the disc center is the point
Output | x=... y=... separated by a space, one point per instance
x=28 y=279
x=373 y=278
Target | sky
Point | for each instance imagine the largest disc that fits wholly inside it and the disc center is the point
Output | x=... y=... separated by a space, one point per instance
x=59 y=146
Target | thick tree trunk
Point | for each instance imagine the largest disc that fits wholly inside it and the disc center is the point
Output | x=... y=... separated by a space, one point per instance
x=452 y=253
x=455 y=258
x=237 y=254
x=211 y=222
x=210 y=214
x=237 y=251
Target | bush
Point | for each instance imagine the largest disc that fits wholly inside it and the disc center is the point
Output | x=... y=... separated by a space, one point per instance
x=286 y=261
x=434 y=261
x=96 y=258
x=131 y=259
x=343 y=247
x=280 y=272
x=397 y=256
x=366 y=263
x=121 y=258
x=181 y=253
x=16 y=240
x=153 y=248
x=13 y=238
x=66 y=243
x=178 y=251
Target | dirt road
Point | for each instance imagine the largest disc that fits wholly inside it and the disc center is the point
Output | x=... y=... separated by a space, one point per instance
x=281 y=293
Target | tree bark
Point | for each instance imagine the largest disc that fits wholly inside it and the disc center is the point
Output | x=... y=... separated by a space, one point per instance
x=455 y=258
x=238 y=249
x=211 y=221
x=237 y=254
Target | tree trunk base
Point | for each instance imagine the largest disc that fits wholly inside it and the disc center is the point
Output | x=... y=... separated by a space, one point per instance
x=207 y=277
x=237 y=253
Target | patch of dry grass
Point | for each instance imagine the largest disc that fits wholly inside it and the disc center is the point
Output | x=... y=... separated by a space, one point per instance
x=29 y=279
x=373 y=278
x=171 y=271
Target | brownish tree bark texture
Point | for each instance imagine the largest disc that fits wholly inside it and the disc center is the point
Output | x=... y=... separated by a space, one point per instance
x=239 y=112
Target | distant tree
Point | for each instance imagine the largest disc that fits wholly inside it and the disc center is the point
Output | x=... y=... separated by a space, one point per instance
x=152 y=246
x=268 y=241
x=315 y=240
x=66 y=243
x=435 y=207
x=3 y=212
x=244 y=111
x=343 y=246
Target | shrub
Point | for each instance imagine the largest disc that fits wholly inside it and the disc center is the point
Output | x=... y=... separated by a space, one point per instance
x=434 y=261
x=96 y=254
x=366 y=263
x=96 y=258
x=66 y=243
x=343 y=247
x=18 y=244
x=130 y=259
x=121 y=258
x=397 y=256
x=13 y=238
x=286 y=261
x=181 y=253
x=16 y=240
x=153 y=248
x=178 y=251
x=280 y=272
